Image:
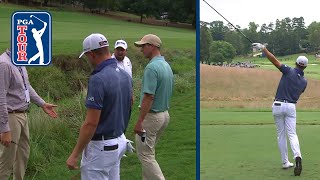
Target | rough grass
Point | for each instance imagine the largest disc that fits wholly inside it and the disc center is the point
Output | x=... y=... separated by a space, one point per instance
x=312 y=71
x=53 y=140
x=223 y=87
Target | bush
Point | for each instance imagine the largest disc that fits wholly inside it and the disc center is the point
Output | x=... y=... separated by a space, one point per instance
x=184 y=82
x=221 y=51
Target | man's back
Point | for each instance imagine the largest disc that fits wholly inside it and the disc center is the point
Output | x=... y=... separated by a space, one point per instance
x=113 y=97
x=292 y=84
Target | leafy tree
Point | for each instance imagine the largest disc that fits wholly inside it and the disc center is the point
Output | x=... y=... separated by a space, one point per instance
x=144 y=8
x=205 y=43
x=314 y=35
x=218 y=30
x=221 y=51
x=182 y=11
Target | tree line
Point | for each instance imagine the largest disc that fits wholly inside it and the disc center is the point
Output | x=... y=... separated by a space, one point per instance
x=220 y=42
x=183 y=11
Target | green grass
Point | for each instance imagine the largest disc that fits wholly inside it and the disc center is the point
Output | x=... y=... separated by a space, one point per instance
x=246 y=152
x=53 y=140
x=312 y=71
x=241 y=144
x=70 y=28
x=252 y=117
x=175 y=151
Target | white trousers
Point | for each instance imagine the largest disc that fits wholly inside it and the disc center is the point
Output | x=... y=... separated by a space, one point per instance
x=100 y=164
x=285 y=119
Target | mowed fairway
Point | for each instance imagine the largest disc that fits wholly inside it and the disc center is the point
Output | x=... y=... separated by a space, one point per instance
x=237 y=131
x=70 y=28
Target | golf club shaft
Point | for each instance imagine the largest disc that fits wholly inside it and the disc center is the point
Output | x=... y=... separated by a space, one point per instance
x=227 y=21
x=38 y=18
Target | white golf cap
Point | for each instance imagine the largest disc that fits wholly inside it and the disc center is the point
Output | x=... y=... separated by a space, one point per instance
x=94 y=41
x=120 y=43
x=302 y=61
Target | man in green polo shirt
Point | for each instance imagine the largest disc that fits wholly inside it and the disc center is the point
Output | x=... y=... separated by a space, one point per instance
x=156 y=92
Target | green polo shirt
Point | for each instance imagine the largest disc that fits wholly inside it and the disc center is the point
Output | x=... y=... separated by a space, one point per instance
x=158 y=80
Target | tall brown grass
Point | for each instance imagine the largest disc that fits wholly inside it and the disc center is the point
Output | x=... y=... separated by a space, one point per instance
x=229 y=87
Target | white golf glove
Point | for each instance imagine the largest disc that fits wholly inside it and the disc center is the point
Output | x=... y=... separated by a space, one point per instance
x=130 y=148
x=258 y=46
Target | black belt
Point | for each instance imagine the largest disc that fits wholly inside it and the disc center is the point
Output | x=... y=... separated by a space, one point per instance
x=110 y=148
x=17 y=111
x=285 y=101
x=99 y=137
x=152 y=111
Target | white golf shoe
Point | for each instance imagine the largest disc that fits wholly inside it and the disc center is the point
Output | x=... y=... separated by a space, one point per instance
x=287 y=165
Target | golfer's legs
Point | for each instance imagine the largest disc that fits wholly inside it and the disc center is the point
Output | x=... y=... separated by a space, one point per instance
x=291 y=130
x=115 y=170
x=8 y=154
x=278 y=115
x=96 y=163
x=165 y=118
x=23 y=150
x=151 y=170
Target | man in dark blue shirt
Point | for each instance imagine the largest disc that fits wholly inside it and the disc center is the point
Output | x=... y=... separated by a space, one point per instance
x=292 y=84
x=101 y=137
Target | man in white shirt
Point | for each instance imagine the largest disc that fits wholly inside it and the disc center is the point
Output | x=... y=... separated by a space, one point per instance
x=120 y=52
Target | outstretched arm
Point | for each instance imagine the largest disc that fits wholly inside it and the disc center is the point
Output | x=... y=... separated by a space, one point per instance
x=43 y=29
x=272 y=58
x=268 y=54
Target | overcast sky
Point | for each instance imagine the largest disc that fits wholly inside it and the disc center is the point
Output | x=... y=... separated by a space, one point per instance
x=241 y=12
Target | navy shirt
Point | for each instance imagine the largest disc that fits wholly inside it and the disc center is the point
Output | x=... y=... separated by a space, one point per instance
x=110 y=90
x=292 y=84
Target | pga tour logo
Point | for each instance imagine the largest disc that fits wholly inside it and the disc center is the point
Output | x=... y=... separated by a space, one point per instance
x=31 y=38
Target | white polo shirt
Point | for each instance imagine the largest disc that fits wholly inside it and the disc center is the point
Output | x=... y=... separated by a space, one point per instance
x=125 y=64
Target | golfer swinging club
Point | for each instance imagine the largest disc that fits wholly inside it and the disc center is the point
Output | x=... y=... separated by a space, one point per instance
x=37 y=37
x=292 y=84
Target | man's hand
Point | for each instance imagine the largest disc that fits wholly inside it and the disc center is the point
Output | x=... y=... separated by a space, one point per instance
x=49 y=109
x=6 y=138
x=138 y=128
x=258 y=46
x=72 y=162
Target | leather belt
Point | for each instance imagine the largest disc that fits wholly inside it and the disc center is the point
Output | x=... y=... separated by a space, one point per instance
x=18 y=111
x=100 y=137
x=152 y=111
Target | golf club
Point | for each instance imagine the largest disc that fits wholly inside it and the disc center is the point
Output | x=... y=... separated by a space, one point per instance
x=227 y=21
x=36 y=18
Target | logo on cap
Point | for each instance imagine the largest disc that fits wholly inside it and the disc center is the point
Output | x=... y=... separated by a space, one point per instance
x=31 y=38
x=103 y=43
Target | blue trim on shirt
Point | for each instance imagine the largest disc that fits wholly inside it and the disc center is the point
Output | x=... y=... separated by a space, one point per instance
x=91 y=106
